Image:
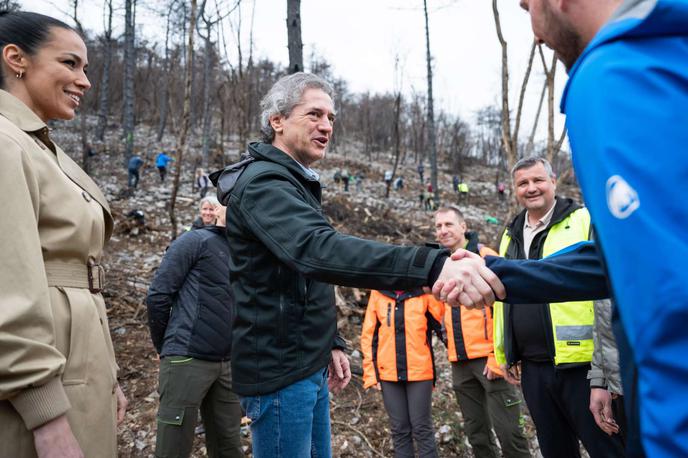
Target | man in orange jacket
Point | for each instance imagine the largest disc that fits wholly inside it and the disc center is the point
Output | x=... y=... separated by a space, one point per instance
x=485 y=398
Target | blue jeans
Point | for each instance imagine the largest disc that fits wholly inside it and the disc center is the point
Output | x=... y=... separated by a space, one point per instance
x=293 y=422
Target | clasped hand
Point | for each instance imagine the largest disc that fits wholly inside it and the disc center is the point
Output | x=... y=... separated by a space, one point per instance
x=466 y=280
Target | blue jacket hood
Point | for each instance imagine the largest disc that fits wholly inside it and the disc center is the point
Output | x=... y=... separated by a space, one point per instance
x=635 y=18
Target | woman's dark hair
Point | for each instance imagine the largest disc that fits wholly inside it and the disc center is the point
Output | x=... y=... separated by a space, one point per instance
x=26 y=30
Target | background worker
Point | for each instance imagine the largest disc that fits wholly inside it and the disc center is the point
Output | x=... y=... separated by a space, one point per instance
x=161 y=162
x=207 y=213
x=202 y=182
x=485 y=398
x=133 y=170
x=552 y=341
x=190 y=313
x=396 y=342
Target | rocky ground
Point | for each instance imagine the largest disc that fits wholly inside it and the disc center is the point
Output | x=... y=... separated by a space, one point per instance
x=359 y=422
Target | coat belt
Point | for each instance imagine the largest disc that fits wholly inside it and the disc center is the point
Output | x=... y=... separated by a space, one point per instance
x=90 y=276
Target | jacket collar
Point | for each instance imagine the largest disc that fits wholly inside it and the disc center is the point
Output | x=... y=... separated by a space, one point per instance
x=472 y=242
x=21 y=116
x=268 y=152
x=633 y=9
x=213 y=228
x=563 y=207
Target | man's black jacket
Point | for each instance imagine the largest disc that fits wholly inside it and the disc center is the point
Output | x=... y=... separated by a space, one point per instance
x=285 y=255
x=190 y=302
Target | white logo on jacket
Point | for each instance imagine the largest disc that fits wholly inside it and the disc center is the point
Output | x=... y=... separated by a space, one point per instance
x=622 y=199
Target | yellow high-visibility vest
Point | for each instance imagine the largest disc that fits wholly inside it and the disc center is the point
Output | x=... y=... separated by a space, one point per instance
x=572 y=322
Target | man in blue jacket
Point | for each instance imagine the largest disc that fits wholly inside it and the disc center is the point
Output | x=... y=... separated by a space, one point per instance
x=161 y=161
x=133 y=167
x=625 y=104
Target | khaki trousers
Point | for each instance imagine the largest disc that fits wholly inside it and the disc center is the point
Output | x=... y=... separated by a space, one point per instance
x=486 y=404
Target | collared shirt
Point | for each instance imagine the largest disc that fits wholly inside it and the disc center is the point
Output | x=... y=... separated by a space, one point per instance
x=530 y=231
x=309 y=171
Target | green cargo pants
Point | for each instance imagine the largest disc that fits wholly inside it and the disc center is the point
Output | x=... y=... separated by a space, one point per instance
x=187 y=384
x=486 y=403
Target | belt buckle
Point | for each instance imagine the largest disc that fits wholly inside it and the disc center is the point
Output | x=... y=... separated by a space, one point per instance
x=96 y=276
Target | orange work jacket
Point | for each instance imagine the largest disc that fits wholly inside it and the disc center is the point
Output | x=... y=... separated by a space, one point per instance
x=396 y=338
x=469 y=331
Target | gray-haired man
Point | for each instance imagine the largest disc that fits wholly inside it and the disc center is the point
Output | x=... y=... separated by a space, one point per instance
x=285 y=255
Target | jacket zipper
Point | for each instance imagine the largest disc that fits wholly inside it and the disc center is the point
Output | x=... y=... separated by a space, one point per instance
x=389 y=314
x=485 y=322
x=280 y=322
x=305 y=291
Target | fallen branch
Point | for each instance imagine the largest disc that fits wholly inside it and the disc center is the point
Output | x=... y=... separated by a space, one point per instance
x=363 y=436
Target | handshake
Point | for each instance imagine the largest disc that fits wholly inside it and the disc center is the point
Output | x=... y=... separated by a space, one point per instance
x=466 y=280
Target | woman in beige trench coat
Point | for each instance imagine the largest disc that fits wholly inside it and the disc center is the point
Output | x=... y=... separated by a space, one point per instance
x=58 y=378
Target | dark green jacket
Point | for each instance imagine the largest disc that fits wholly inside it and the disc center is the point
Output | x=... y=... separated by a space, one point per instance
x=285 y=256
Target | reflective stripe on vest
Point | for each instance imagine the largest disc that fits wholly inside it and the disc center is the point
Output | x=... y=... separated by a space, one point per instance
x=498 y=332
x=571 y=321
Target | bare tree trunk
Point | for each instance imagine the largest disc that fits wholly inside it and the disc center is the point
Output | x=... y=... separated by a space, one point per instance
x=239 y=95
x=9 y=5
x=531 y=138
x=553 y=146
x=397 y=138
x=223 y=120
x=164 y=89
x=550 y=111
x=207 y=118
x=294 y=36
x=507 y=143
x=559 y=143
x=519 y=109
x=129 y=69
x=431 y=113
x=104 y=95
x=251 y=89
x=209 y=74
x=510 y=144
x=202 y=14
x=85 y=147
x=186 y=120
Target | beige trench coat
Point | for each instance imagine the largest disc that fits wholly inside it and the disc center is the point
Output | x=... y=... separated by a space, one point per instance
x=56 y=355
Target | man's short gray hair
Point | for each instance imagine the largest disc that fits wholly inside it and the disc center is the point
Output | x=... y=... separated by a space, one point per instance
x=284 y=95
x=528 y=162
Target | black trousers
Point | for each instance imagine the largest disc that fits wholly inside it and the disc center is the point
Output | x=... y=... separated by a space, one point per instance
x=558 y=401
x=620 y=416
